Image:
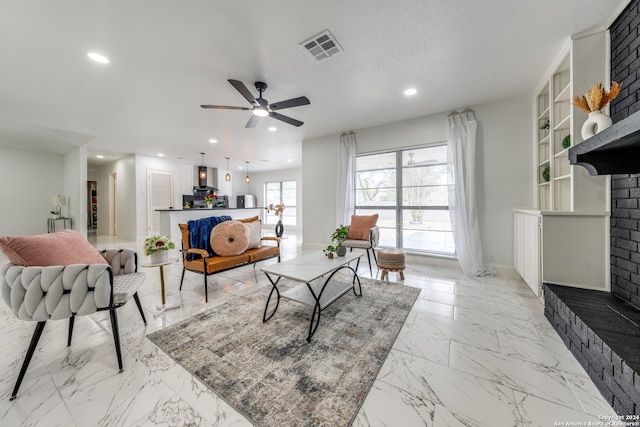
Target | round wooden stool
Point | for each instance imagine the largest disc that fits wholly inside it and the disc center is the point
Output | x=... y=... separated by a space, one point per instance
x=391 y=260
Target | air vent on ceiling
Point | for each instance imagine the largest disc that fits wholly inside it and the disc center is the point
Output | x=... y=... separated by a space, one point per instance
x=322 y=46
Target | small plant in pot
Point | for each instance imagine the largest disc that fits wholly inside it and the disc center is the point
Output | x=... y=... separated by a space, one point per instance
x=337 y=237
x=157 y=248
x=329 y=251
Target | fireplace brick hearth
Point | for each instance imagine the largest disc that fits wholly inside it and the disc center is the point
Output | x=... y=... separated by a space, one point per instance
x=603 y=333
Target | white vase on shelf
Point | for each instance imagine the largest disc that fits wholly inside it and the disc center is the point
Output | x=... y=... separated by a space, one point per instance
x=595 y=123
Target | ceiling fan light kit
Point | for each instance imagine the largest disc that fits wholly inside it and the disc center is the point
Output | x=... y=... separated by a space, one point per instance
x=260 y=112
x=260 y=107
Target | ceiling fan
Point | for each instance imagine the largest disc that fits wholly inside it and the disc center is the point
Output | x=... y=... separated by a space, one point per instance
x=260 y=106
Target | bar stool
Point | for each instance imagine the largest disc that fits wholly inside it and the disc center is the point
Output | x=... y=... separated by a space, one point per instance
x=391 y=260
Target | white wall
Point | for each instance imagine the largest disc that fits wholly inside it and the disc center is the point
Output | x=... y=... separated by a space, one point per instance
x=239 y=186
x=75 y=188
x=504 y=169
x=28 y=181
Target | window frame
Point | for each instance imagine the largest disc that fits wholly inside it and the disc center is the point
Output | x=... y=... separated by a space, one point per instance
x=281 y=197
x=399 y=207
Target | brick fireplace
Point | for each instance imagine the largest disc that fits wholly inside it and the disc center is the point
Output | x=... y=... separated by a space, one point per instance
x=625 y=189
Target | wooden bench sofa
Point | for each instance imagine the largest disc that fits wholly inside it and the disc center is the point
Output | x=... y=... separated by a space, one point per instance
x=203 y=263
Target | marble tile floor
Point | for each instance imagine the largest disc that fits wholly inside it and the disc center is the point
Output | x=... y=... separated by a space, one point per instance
x=473 y=352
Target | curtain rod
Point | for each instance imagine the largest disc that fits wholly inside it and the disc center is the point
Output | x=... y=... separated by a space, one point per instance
x=466 y=110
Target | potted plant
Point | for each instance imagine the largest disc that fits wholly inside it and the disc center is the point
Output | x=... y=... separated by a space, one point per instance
x=157 y=247
x=337 y=237
x=329 y=251
x=546 y=174
x=186 y=205
x=210 y=199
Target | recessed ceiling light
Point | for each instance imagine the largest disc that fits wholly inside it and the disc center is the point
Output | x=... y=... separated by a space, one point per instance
x=410 y=92
x=273 y=128
x=160 y=154
x=289 y=160
x=240 y=167
x=99 y=156
x=213 y=141
x=98 y=58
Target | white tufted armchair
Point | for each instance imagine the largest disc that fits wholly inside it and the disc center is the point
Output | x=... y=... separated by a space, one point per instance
x=40 y=294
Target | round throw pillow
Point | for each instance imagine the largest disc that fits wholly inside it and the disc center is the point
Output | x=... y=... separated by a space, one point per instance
x=229 y=238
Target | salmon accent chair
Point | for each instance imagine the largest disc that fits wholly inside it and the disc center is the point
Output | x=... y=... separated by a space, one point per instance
x=363 y=234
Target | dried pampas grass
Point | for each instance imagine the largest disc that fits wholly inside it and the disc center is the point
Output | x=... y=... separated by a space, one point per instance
x=597 y=97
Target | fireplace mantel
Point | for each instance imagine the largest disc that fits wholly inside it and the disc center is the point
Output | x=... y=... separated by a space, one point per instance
x=615 y=150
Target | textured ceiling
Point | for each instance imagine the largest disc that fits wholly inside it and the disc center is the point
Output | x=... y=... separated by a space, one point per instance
x=168 y=57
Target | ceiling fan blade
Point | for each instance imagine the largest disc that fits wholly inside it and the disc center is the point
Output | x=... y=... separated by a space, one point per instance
x=253 y=121
x=225 y=107
x=294 y=102
x=286 y=119
x=240 y=87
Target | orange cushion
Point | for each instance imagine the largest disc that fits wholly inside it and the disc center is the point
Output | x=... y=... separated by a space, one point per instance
x=360 y=226
x=64 y=247
x=262 y=252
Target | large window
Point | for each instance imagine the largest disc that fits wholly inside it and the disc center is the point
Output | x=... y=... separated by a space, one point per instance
x=283 y=192
x=408 y=189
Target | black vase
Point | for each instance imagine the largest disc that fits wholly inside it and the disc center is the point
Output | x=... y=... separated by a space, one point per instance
x=279 y=228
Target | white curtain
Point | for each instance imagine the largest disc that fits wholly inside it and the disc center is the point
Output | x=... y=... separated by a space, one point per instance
x=462 y=194
x=346 y=197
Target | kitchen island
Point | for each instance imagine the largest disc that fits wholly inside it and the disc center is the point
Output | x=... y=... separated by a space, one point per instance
x=170 y=218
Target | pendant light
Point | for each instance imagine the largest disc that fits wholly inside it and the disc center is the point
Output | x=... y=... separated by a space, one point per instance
x=227 y=177
x=247 y=179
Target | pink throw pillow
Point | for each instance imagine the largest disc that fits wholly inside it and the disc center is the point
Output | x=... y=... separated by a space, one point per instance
x=64 y=247
x=360 y=226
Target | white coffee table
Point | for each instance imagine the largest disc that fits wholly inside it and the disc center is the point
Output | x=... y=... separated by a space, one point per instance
x=318 y=287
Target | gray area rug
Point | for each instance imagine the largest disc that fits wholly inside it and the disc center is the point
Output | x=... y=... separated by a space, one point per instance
x=270 y=374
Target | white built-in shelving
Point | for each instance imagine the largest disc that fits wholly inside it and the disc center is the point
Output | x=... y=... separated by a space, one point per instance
x=564 y=239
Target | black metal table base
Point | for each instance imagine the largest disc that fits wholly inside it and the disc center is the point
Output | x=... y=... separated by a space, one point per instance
x=317 y=308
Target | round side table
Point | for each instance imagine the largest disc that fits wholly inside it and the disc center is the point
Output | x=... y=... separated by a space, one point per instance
x=163 y=307
x=391 y=260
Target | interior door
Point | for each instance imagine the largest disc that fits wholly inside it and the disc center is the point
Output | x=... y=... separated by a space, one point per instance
x=160 y=196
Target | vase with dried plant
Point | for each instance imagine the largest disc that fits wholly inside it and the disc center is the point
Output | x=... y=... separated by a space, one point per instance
x=277 y=211
x=596 y=98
